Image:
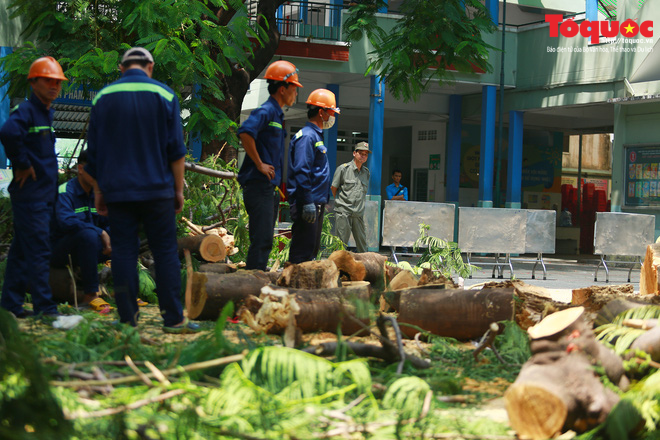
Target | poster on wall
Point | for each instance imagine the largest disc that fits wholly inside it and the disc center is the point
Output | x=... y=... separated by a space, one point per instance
x=641 y=175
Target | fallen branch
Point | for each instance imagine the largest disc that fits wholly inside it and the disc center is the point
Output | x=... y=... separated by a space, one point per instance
x=209 y=172
x=131 y=406
x=143 y=377
x=128 y=379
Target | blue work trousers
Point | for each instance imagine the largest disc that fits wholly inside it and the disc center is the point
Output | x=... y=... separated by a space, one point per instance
x=28 y=262
x=261 y=204
x=86 y=249
x=305 y=237
x=158 y=219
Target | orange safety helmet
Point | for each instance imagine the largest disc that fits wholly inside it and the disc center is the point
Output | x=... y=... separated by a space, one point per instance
x=283 y=71
x=323 y=98
x=46 y=67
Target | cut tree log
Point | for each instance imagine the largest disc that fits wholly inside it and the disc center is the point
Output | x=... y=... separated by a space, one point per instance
x=403 y=280
x=208 y=247
x=648 y=276
x=649 y=342
x=210 y=292
x=322 y=274
x=555 y=392
x=557 y=388
x=455 y=313
x=217 y=268
x=367 y=266
x=313 y=310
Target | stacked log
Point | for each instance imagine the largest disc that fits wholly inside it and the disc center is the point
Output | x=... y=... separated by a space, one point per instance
x=557 y=389
x=648 y=277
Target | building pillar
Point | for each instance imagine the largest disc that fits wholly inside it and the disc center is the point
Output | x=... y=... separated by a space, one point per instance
x=591 y=8
x=4 y=107
x=487 y=151
x=335 y=16
x=454 y=127
x=383 y=9
x=493 y=7
x=376 y=124
x=330 y=135
x=515 y=152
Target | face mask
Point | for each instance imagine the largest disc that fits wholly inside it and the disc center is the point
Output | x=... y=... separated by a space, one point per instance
x=329 y=123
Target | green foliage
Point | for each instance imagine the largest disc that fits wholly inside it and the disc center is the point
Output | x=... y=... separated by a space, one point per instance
x=621 y=337
x=513 y=344
x=440 y=255
x=329 y=241
x=189 y=45
x=407 y=395
x=427 y=42
x=147 y=286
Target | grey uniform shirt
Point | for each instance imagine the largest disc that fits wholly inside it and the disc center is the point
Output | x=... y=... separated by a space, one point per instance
x=352 y=185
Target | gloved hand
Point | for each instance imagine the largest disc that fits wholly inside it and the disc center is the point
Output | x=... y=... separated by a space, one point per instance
x=309 y=213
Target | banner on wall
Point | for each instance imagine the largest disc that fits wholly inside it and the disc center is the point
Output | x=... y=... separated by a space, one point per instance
x=641 y=175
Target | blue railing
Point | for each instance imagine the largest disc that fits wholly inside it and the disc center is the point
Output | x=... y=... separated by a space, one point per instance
x=310 y=20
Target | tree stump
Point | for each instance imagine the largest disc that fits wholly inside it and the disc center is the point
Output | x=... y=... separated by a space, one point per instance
x=210 y=292
x=455 y=313
x=321 y=274
x=208 y=247
x=648 y=276
x=367 y=266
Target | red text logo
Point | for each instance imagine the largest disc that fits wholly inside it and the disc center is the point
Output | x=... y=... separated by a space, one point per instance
x=596 y=29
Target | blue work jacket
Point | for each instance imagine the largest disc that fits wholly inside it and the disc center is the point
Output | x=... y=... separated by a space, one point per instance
x=266 y=126
x=309 y=171
x=29 y=141
x=74 y=211
x=134 y=135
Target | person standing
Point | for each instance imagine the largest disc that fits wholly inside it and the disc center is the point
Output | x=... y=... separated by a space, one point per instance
x=78 y=231
x=136 y=159
x=396 y=191
x=29 y=141
x=349 y=187
x=262 y=135
x=308 y=183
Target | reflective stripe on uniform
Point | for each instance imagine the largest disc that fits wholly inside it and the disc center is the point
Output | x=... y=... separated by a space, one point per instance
x=134 y=87
x=40 y=128
x=62 y=188
x=275 y=124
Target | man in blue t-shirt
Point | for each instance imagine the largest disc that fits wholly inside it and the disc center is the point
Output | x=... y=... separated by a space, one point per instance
x=29 y=141
x=136 y=157
x=262 y=135
x=396 y=191
x=308 y=184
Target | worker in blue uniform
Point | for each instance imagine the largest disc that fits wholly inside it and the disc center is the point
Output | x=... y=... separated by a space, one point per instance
x=262 y=136
x=80 y=233
x=308 y=182
x=136 y=158
x=29 y=141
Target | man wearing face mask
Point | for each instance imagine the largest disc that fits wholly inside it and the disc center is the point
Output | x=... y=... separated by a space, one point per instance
x=308 y=181
x=349 y=187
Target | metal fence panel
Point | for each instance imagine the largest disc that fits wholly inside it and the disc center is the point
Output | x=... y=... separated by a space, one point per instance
x=492 y=230
x=401 y=220
x=621 y=233
x=371 y=221
x=541 y=231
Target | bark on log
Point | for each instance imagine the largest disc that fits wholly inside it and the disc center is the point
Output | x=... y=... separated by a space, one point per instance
x=62 y=286
x=554 y=392
x=219 y=268
x=208 y=247
x=367 y=266
x=648 y=276
x=455 y=313
x=212 y=291
x=321 y=274
x=319 y=310
x=650 y=343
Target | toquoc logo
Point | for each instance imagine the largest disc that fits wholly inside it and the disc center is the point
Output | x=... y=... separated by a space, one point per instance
x=597 y=29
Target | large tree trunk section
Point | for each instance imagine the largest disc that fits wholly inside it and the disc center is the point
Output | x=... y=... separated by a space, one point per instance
x=321 y=274
x=555 y=392
x=208 y=247
x=218 y=268
x=648 y=276
x=313 y=310
x=63 y=287
x=211 y=291
x=455 y=313
x=367 y=266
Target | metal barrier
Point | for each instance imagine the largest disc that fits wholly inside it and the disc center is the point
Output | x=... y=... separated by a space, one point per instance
x=622 y=234
x=492 y=231
x=540 y=236
x=371 y=222
x=401 y=220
